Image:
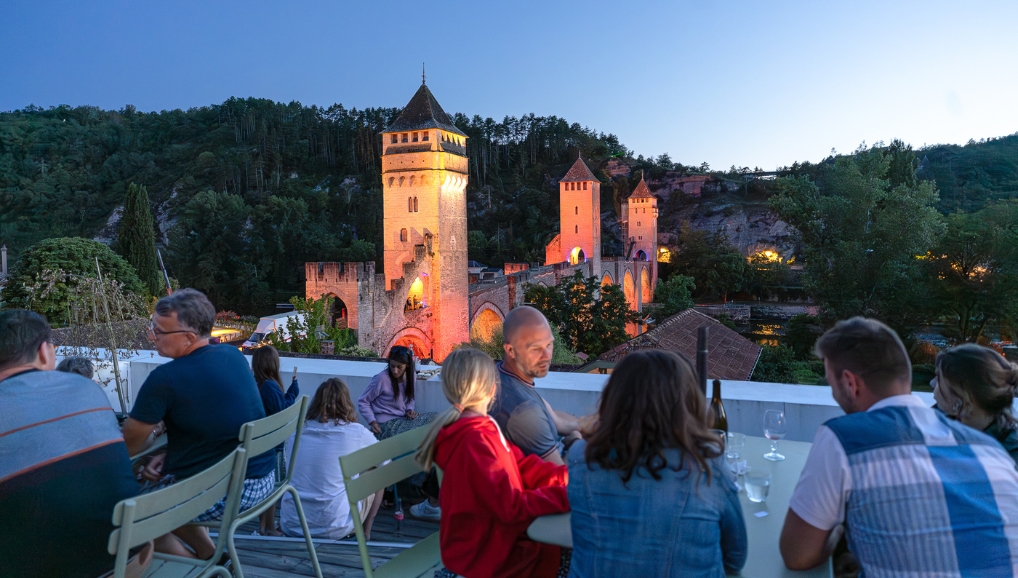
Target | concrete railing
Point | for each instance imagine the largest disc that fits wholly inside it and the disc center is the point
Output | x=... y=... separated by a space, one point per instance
x=806 y=406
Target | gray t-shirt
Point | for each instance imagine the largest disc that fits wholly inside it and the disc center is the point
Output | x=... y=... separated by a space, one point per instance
x=523 y=416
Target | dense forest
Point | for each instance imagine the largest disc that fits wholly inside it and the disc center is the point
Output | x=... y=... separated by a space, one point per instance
x=245 y=192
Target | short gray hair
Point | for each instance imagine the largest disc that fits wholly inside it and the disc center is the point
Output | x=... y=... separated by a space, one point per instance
x=80 y=365
x=194 y=310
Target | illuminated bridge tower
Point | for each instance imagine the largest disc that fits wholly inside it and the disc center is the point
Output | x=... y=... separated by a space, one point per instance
x=579 y=237
x=424 y=178
x=639 y=234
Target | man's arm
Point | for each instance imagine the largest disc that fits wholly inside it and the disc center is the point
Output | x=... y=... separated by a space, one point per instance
x=802 y=545
x=136 y=435
x=565 y=423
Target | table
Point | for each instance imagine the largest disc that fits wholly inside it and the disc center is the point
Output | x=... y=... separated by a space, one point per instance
x=764 y=560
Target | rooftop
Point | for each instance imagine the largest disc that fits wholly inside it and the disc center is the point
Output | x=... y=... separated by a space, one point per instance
x=641 y=191
x=423 y=112
x=730 y=356
x=578 y=172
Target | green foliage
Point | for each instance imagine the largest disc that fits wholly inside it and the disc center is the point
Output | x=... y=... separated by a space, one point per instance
x=29 y=288
x=973 y=271
x=780 y=365
x=972 y=176
x=590 y=317
x=308 y=330
x=674 y=295
x=136 y=239
x=801 y=334
x=717 y=268
x=861 y=237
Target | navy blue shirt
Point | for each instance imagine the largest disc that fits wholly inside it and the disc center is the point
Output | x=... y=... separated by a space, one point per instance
x=204 y=398
x=273 y=398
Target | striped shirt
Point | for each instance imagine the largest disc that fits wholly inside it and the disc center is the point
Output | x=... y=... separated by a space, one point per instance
x=919 y=494
x=63 y=466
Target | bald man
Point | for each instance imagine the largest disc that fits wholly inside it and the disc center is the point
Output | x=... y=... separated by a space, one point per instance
x=524 y=416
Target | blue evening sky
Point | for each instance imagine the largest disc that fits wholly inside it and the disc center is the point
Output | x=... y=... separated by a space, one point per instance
x=722 y=81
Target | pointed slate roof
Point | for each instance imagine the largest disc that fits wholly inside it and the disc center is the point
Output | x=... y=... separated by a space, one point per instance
x=641 y=191
x=578 y=172
x=423 y=112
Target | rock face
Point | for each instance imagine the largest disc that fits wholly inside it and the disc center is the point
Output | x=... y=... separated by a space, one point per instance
x=751 y=229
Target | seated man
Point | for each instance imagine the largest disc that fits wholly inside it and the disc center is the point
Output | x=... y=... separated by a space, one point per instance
x=525 y=418
x=918 y=493
x=63 y=462
x=204 y=396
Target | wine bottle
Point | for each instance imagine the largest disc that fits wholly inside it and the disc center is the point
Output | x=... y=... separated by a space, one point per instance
x=716 y=413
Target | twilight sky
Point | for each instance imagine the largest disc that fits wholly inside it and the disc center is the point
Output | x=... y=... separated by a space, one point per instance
x=724 y=81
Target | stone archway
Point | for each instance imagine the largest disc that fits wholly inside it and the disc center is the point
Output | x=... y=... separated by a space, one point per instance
x=576 y=256
x=339 y=315
x=646 y=291
x=413 y=338
x=486 y=324
x=641 y=255
x=607 y=280
x=629 y=289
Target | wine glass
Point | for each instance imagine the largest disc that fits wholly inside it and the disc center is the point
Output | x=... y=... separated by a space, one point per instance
x=775 y=428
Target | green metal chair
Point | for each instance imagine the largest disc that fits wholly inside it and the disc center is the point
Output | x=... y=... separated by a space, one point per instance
x=363 y=476
x=148 y=516
x=257 y=438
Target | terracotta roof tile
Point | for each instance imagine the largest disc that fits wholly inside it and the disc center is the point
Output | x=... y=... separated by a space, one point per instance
x=641 y=191
x=578 y=172
x=731 y=356
x=423 y=111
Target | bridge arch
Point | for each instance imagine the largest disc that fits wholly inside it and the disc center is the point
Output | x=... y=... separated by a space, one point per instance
x=338 y=314
x=646 y=291
x=641 y=255
x=576 y=256
x=413 y=338
x=629 y=289
x=607 y=280
x=486 y=322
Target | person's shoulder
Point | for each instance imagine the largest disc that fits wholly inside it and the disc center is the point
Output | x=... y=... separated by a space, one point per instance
x=269 y=384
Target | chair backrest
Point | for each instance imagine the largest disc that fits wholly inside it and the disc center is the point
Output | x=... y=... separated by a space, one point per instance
x=399 y=450
x=148 y=516
x=263 y=435
x=364 y=474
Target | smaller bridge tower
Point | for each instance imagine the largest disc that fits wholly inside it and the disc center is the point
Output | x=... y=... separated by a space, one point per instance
x=639 y=233
x=579 y=237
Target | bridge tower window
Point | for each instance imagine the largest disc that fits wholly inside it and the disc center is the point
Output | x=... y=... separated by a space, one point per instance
x=403 y=235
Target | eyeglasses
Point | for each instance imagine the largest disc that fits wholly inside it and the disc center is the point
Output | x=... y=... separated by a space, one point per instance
x=156 y=332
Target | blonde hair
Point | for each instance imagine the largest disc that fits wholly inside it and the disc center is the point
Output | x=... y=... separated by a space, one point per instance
x=468 y=378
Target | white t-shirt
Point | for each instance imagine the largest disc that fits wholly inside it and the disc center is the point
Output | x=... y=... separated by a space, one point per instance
x=319 y=479
x=826 y=482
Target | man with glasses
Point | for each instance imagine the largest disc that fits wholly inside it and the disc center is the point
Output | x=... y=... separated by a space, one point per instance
x=204 y=395
x=918 y=494
x=63 y=462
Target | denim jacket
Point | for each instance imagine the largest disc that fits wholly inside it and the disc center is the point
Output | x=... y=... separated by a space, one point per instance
x=676 y=526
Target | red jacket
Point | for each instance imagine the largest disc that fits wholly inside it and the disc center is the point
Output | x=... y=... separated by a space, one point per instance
x=490 y=494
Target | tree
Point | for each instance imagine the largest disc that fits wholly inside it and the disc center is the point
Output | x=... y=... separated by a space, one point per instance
x=862 y=237
x=675 y=294
x=207 y=250
x=136 y=239
x=717 y=268
x=591 y=318
x=34 y=287
x=973 y=274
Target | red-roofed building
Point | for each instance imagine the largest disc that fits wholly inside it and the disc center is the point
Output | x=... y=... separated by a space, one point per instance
x=731 y=356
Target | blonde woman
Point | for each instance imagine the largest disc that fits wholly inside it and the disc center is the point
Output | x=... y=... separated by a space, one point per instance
x=490 y=491
x=976 y=386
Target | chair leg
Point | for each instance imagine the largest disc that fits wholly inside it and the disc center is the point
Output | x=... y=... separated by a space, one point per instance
x=238 y=572
x=307 y=533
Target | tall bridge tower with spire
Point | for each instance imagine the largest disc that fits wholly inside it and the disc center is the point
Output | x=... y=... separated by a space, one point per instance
x=424 y=179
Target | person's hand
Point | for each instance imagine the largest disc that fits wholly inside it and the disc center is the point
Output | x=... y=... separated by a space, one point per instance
x=375 y=427
x=153 y=470
x=411 y=414
x=571 y=438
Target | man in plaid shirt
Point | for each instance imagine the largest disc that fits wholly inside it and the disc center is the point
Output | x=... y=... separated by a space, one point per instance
x=916 y=494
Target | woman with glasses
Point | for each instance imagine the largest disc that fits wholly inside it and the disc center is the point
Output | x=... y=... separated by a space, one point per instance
x=387 y=404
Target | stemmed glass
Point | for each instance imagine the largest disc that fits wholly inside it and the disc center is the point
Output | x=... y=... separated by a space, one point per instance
x=775 y=428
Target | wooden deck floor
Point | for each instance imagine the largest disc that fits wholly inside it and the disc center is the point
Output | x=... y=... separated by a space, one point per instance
x=275 y=558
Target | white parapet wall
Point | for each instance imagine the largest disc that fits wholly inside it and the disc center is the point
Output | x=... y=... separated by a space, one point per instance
x=806 y=406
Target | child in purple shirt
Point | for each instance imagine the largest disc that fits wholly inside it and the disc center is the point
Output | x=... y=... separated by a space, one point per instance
x=387 y=404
